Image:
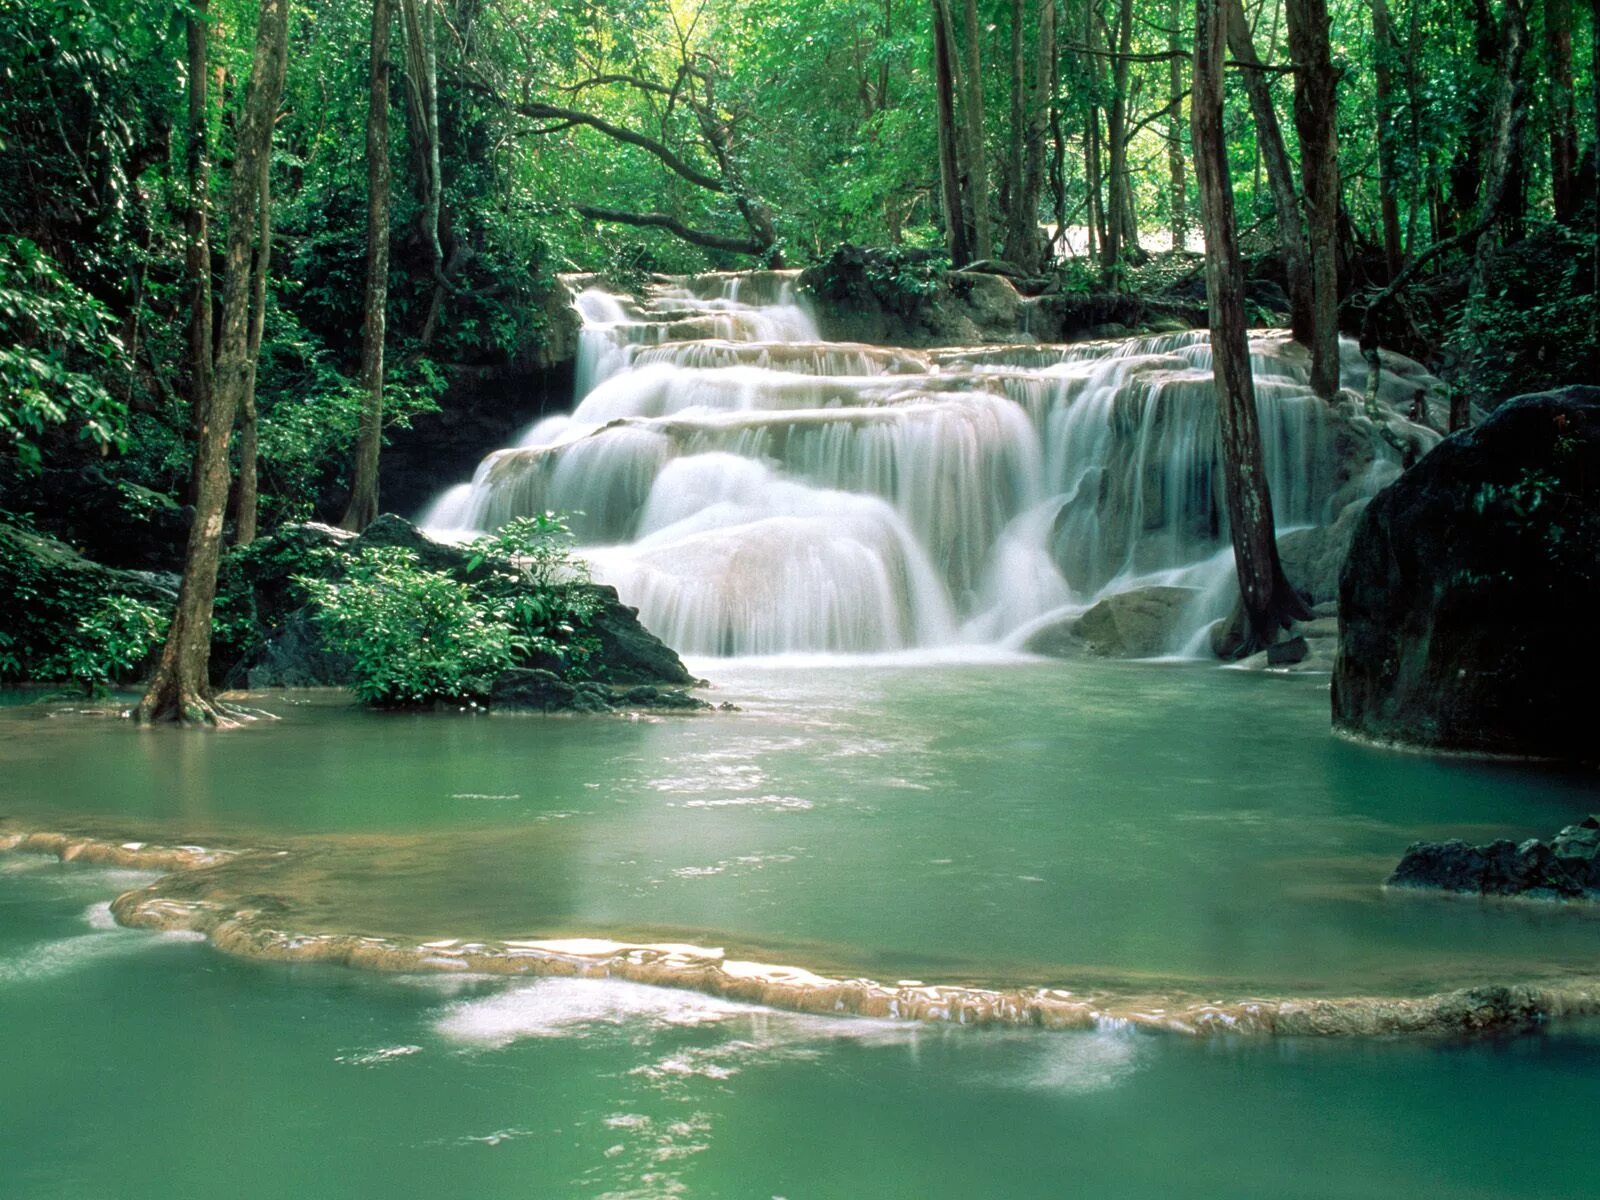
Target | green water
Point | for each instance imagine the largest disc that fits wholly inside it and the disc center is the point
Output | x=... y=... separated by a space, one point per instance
x=139 y=1065
x=1051 y=823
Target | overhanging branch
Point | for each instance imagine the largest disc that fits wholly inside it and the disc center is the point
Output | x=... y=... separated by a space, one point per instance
x=697 y=237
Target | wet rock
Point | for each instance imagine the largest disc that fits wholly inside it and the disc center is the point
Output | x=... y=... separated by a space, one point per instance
x=533 y=690
x=1567 y=867
x=1465 y=581
x=1312 y=558
x=1288 y=652
x=1141 y=623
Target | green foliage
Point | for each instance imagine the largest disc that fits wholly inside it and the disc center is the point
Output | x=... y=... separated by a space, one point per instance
x=111 y=641
x=53 y=339
x=415 y=636
x=64 y=618
x=256 y=589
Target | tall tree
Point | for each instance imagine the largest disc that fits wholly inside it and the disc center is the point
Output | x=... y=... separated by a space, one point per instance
x=958 y=236
x=977 y=163
x=1384 y=53
x=1280 y=173
x=197 y=236
x=363 y=506
x=1562 y=108
x=1032 y=99
x=180 y=689
x=1118 y=217
x=1176 y=169
x=248 y=487
x=1315 y=119
x=1269 y=602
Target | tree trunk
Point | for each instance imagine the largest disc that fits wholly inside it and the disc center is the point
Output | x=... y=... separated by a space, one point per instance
x=1117 y=144
x=950 y=189
x=1179 y=196
x=1503 y=153
x=247 y=490
x=1280 y=175
x=1563 y=115
x=1384 y=51
x=976 y=160
x=197 y=237
x=1058 y=148
x=1269 y=602
x=1032 y=100
x=422 y=96
x=363 y=506
x=181 y=687
x=1011 y=180
x=1315 y=119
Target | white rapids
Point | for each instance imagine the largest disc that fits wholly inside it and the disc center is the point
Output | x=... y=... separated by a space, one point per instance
x=755 y=490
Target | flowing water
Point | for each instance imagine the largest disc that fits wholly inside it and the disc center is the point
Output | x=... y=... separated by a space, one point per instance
x=757 y=491
x=942 y=829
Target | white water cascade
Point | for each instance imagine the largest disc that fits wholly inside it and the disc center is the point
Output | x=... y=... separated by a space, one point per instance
x=756 y=490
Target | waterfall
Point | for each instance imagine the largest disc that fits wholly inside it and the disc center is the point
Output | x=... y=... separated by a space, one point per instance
x=756 y=490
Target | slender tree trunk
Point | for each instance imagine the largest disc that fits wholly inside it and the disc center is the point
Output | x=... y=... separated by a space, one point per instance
x=1176 y=167
x=181 y=687
x=1117 y=143
x=247 y=489
x=1280 y=175
x=1031 y=112
x=977 y=161
x=363 y=507
x=197 y=236
x=1563 y=115
x=1269 y=602
x=1011 y=182
x=1315 y=119
x=955 y=216
x=422 y=95
x=1504 y=154
x=1384 y=51
x=1058 y=148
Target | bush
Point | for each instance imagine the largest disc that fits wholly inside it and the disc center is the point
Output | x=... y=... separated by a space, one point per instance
x=111 y=642
x=414 y=636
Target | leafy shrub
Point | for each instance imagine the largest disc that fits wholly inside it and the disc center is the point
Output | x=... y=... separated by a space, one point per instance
x=415 y=636
x=529 y=566
x=54 y=337
x=111 y=641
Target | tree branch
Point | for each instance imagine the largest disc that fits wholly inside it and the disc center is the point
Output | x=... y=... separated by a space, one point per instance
x=710 y=241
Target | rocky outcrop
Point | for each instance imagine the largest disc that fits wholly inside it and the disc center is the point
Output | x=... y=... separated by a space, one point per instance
x=1312 y=558
x=284 y=647
x=1470 y=588
x=1141 y=623
x=534 y=690
x=1566 y=867
x=48 y=588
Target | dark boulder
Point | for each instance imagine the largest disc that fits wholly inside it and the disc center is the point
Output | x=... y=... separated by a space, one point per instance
x=533 y=690
x=1567 y=867
x=1471 y=584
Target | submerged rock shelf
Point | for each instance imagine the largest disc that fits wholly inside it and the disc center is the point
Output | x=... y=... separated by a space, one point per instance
x=196 y=897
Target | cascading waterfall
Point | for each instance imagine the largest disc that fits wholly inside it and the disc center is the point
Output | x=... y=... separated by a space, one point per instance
x=756 y=490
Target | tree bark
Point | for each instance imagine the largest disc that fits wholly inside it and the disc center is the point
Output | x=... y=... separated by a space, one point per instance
x=1269 y=603
x=363 y=507
x=1179 y=195
x=977 y=163
x=944 y=70
x=197 y=236
x=1315 y=119
x=1031 y=107
x=247 y=489
x=422 y=94
x=1384 y=52
x=1117 y=144
x=181 y=687
x=1563 y=115
x=1280 y=176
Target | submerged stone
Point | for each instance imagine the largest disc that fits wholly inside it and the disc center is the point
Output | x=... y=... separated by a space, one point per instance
x=1567 y=867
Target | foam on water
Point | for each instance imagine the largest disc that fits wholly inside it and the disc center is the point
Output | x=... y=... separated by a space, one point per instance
x=758 y=492
x=570 y=1007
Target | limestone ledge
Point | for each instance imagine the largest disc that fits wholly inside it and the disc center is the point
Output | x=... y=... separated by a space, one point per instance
x=249 y=933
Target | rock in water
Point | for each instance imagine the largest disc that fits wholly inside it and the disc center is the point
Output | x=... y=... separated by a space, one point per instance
x=1566 y=867
x=1472 y=582
x=1141 y=623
